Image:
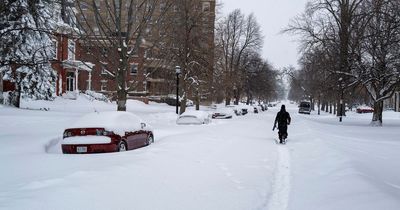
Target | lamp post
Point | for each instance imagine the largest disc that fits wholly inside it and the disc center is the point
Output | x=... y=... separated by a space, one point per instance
x=341 y=108
x=177 y=72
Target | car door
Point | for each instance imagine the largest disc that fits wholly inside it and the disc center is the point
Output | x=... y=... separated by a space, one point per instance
x=130 y=140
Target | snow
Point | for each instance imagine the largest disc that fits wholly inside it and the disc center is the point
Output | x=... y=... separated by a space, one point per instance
x=86 y=140
x=194 y=117
x=228 y=164
x=117 y=122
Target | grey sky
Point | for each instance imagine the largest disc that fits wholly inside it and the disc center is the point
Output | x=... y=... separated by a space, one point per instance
x=273 y=15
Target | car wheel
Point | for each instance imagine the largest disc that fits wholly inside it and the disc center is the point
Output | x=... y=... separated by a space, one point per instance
x=150 y=139
x=122 y=146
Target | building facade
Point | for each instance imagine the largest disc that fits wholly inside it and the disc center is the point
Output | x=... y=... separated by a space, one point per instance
x=151 y=70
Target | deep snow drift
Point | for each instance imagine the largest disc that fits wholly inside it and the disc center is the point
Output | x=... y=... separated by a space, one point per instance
x=228 y=164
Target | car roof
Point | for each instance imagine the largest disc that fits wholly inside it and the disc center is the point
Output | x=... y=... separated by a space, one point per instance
x=117 y=121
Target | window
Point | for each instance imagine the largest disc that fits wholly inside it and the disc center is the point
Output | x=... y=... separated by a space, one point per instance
x=103 y=69
x=162 y=7
x=103 y=86
x=71 y=49
x=96 y=30
x=84 y=5
x=55 y=44
x=97 y=2
x=206 y=6
x=162 y=33
x=134 y=68
x=70 y=81
x=104 y=51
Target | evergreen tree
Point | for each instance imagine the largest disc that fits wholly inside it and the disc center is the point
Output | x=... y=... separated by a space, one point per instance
x=27 y=47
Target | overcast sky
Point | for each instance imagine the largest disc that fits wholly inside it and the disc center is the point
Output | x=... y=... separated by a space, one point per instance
x=273 y=15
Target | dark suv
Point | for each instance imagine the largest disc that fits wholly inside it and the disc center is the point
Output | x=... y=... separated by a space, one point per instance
x=305 y=107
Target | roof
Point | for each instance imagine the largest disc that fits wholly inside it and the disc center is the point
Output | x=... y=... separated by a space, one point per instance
x=80 y=65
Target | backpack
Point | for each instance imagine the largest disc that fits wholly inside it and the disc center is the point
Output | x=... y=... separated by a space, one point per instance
x=283 y=118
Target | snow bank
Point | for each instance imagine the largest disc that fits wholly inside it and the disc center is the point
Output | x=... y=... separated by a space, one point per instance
x=86 y=140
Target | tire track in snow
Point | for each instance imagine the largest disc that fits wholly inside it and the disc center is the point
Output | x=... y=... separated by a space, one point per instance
x=279 y=199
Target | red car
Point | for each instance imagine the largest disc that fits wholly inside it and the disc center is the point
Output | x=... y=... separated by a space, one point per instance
x=106 y=132
x=364 y=109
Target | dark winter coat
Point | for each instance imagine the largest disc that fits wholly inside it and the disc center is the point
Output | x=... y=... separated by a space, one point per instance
x=282 y=118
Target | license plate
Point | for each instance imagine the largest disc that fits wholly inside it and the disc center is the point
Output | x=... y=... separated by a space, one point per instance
x=81 y=149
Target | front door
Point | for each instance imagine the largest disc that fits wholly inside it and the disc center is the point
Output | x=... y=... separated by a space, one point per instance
x=70 y=81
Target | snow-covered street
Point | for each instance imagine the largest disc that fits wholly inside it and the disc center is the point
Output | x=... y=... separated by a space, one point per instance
x=228 y=164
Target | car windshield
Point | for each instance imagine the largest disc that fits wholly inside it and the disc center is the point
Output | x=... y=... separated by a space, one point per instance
x=305 y=105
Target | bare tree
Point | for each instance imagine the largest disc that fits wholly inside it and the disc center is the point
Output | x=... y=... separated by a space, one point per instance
x=236 y=34
x=378 y=66
x=189 y=44
x=332 y=25
x=116 y=31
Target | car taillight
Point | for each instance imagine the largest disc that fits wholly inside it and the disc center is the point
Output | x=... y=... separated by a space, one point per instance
x=67 y=134
x=103 y=132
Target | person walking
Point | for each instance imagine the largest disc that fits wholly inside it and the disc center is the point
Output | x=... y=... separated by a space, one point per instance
x=283 y=120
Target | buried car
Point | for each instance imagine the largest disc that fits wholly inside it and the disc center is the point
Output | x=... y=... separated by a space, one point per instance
x=237 y=110
x=305 y=107
x=223 y=113
x=194 y=118
x=106 y=132
x=364 y=109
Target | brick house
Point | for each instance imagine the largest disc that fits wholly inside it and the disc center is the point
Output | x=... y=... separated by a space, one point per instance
x=69 y=69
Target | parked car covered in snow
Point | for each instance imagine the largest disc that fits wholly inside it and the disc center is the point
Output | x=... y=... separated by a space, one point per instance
x=106 y=132
x=223 y=113
x=257 y=109
x=246 y=109
x=237 y=110
x=305 y=107
x=364 y=109
x=194 y=118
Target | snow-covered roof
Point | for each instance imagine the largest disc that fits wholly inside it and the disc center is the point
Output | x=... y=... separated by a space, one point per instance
x=80 y=65
x=116 y=121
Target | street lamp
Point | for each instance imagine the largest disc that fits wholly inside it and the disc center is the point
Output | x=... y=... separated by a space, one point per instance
x=341 y=100
x=177 y=72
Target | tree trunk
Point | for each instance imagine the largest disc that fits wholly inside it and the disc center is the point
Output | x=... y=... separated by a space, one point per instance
x=16 y=95
x=183 y=105
x=237 y=97
x=237 y=100
x=326 y=107
x=197 y=99
x=312 y=103
x=377 y=116
x=227 y=96
x=319 y=105
x=330 y=108
x=334 y=108
x=1 y=88
x=323 y=106
x=121 y=100
x=184 y=98
x=121 y=91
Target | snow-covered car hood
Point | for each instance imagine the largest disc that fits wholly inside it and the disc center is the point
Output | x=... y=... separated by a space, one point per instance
x=194 y=117
x=118 y=122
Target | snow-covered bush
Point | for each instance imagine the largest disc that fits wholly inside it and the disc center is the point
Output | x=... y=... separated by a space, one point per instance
x=96 y=96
